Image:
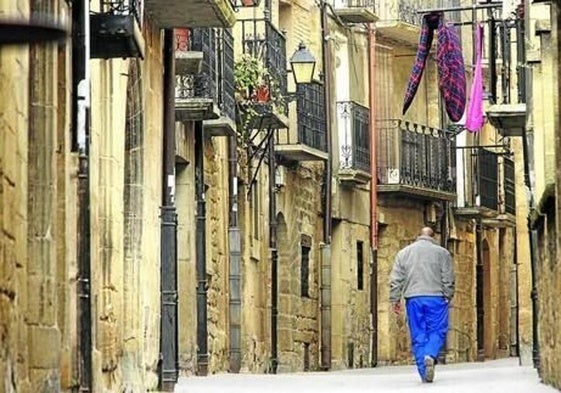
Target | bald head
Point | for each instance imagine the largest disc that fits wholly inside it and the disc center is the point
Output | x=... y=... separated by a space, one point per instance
x=427 y=231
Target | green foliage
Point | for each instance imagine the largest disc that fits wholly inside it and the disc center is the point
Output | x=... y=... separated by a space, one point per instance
x=254 y=87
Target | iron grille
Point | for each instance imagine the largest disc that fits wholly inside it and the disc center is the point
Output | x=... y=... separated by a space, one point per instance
x=407 y=11
x=122 y=7
x=203 y=84
x=227 y=83
x=216 y=79
x=509 y=186
x=263 y=41
x=488 y=179
x=310 y=107
x=354 y=4
x=354 y=122
x=415 y=155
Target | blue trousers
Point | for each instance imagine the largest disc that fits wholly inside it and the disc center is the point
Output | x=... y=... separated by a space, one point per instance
x=428 y=325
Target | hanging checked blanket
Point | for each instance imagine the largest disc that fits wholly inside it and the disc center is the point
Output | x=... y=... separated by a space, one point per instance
x=450 y=63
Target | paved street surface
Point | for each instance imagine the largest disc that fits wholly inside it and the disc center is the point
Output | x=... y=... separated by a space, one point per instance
x=501 y=376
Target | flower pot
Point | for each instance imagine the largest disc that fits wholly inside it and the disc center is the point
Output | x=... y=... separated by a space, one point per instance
x=262 y=94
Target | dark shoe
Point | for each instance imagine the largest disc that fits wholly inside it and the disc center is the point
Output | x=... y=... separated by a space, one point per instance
x=429 y=365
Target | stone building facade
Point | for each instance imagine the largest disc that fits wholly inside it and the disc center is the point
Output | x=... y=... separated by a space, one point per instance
x=38 y=275
x=542 y=142
x=282 y=264
x=430 y=174
x=241 y=339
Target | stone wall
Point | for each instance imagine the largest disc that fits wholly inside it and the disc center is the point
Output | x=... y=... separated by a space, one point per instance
x=461 y=342
x=14 y=355
x=186 y=252
x=125 y=204
x=299 y=227
x=400 y=222
x=216 y=179
x=548 y=287
x=37 y=275
x=351 y=330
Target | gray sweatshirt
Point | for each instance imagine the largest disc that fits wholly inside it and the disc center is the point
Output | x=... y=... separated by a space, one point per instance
x=422 y=269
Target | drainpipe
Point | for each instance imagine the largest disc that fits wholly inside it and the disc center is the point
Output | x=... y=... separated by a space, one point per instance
x=235 y=259
x=373 y=197
x=81 y=143
x=168 y=372
x=479 y=300
x=202 y=327
x=326 y=247
x=274 y=255
x=528 y=159
x=533 y=234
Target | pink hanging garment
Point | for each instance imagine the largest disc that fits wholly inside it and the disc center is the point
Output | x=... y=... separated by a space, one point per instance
x=474 y=117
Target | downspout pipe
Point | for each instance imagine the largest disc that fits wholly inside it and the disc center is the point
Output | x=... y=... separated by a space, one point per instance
x=326 y=247
x=373 y=196
x=327 y=227
x=81 y=144
x=200 y=188
x=234 y=235
x=528 y=160
x=274 y=254
x=168 y=368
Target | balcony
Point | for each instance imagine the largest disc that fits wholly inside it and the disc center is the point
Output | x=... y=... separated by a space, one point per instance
x=115 y=30
x=205 y=91
x=509 y=186
x=487 y=191
x=193 y=13
x=399 y=21
x=307 y=141
x=265 y=44
x=353 y=122
x=355 y=11
x=507 y=109
x=415 y=161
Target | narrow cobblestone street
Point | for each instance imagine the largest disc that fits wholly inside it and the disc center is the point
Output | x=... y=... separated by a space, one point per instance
x=501 y=376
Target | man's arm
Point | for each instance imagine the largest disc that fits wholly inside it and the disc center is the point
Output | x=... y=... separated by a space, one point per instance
x=448 y=281
x=397 y=278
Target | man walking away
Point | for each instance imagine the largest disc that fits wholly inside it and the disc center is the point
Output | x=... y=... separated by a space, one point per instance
x=423 y=274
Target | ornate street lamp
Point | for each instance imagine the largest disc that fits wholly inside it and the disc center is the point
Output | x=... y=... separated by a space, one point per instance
x=303 y=64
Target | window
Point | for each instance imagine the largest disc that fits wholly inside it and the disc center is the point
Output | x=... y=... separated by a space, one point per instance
x=360 y=265
x=305 y=247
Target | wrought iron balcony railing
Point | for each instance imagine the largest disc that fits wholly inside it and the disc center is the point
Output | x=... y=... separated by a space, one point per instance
x=215 y=81
x=487 y=179
x=226 y=83
x=265 y=42
x=354 y=134
x=370 y=4
x=310 y=107
x=116 y=30
x=202 y=84
x=415 y=155
x=509 y=186
x=355 y=11
x=407 y=10
x=122 y=7
x=401 y=10
x=507 y=75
